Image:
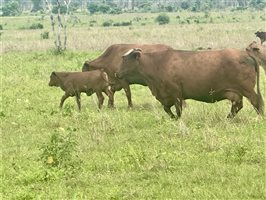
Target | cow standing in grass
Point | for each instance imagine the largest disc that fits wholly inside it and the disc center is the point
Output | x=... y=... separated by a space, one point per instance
x=207 y=76
x=73 y=83
x=110 y=61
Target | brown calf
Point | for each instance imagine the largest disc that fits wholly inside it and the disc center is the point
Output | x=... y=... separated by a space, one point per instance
x=73 y=83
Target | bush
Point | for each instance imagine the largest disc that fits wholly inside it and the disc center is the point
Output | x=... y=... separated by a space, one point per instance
x=1 y=27
x=36 y=26
x=45 y=35
x=162 y=19
x=107 y=23
x=59 y=155
x=122 y=23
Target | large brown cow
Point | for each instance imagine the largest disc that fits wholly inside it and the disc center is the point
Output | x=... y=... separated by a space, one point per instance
x=110 y=61
x=206 y=76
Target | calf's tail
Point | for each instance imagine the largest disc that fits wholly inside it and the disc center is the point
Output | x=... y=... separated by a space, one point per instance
x=104 y=75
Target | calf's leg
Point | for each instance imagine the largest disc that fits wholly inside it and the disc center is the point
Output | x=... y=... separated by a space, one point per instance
x=64 y=97
x=111 y=97
x=78 y=100
x=100 y=99
x=109 y=93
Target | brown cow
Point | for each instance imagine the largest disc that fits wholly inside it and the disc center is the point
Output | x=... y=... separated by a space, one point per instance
x=110 y=61
x=73 y=83
x=261 y=35
x=206 y=76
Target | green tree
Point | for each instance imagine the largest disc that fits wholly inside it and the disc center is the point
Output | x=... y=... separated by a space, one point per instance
x=11 y=8
x=36 y=5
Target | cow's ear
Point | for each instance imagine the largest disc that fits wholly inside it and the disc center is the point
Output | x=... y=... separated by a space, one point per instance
x=253 y=47
x=137 y=54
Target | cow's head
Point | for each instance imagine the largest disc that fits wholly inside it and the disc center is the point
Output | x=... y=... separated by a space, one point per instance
x=54 y=80
x=257 y=33
x=258 y=51
x=129 y=63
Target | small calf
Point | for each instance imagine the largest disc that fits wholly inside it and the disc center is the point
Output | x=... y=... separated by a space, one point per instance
x=73 y=83
x=261 y=35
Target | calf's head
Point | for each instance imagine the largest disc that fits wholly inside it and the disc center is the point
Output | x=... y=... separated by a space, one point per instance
x=54 y=80
x=129 y=63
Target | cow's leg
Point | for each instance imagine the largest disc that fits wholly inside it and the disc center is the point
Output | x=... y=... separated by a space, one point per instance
x=128 y=94
x=110 y=95
x=237 y=103
x=111 y=98
x=126 y=88
x=100 y=99
x=78 y=100
x=167 y=109
x=178 y=107
x=64 y=97
x=257 y=102
x=236 y=107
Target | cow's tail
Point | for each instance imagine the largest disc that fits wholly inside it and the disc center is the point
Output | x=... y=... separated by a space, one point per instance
x=260 y=101
x=85 y=66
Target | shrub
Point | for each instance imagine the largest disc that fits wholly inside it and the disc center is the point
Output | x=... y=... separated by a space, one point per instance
x=36 y=26
x=107 y=23
x=1 y=27
x=59 y=154
x=162 y=19
x=45 y=35
x=122 y=23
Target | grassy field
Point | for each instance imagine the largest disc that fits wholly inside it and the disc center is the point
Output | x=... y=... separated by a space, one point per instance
x=122 y=153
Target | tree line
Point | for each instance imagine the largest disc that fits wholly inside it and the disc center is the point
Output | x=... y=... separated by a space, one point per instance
x=16 y=7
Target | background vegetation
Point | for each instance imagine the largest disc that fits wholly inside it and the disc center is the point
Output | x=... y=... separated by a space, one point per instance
x=119 y=153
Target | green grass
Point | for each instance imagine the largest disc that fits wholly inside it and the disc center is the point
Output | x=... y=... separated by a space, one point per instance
x=123 y=154
x=227 y=29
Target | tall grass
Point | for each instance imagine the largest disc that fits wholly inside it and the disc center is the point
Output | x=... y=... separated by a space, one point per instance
x=223 y=32
x=122 y=153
